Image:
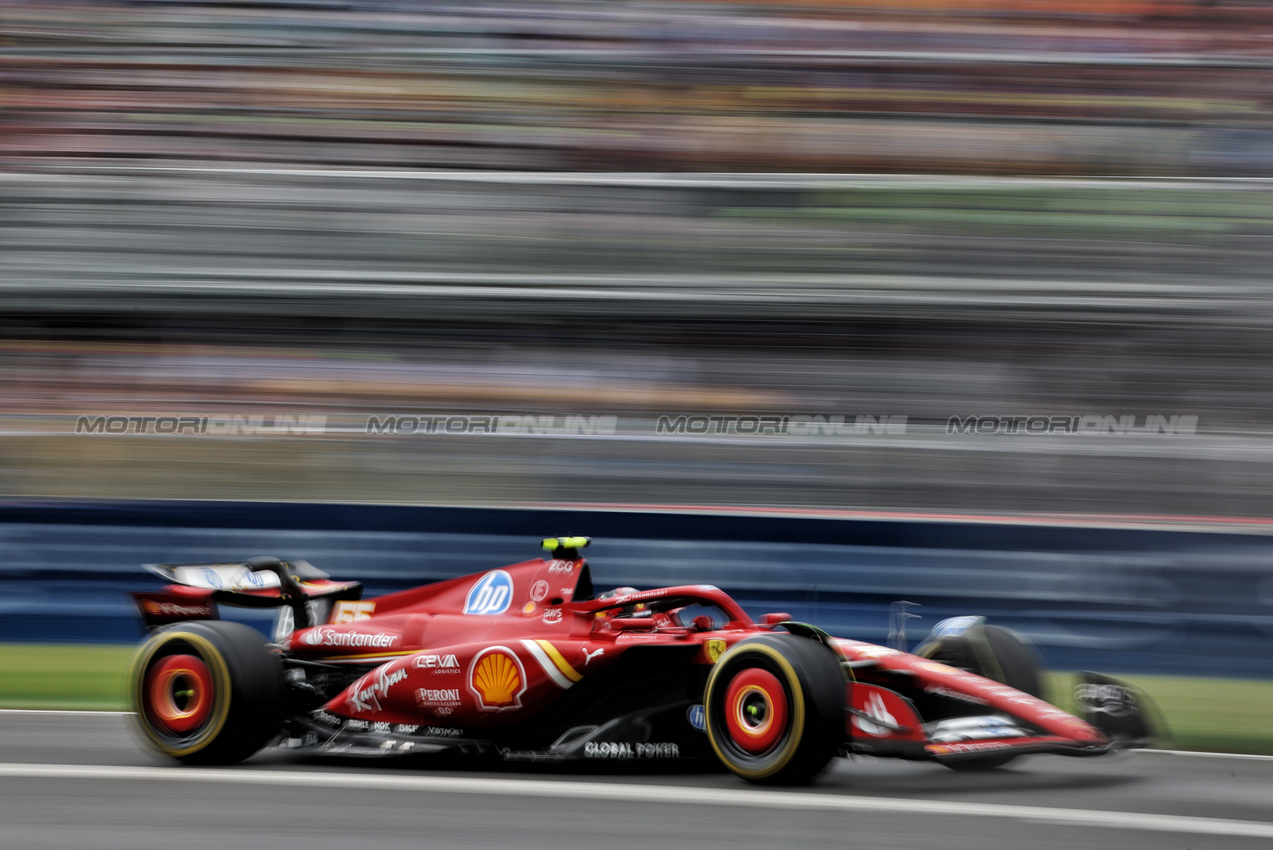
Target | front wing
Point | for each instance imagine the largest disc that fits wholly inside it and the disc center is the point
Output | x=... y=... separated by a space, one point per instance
x=881 y=722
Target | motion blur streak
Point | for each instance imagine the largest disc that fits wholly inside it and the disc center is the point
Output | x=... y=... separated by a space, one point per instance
x=884 y=212
x=998 y=86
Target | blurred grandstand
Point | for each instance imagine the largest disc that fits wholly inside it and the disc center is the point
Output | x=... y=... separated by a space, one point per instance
x=1109 y=87
x=924 y=209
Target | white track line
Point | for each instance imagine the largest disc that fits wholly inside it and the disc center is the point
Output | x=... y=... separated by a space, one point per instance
x=741 y=797
x=1211 y=755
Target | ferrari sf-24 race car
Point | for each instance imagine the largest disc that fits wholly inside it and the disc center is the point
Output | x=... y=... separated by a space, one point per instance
x=529 y=663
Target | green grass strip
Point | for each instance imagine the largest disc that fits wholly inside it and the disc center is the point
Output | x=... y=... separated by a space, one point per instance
x=63 y=676
x=1212 y=715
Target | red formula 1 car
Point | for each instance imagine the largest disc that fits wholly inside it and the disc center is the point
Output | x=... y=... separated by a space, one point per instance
x=529 y=663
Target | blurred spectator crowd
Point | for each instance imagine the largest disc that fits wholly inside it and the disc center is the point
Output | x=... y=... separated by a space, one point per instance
x=1129 y=87
x=343 y=209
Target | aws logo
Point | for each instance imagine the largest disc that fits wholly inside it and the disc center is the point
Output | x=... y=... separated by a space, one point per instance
x=497 y=679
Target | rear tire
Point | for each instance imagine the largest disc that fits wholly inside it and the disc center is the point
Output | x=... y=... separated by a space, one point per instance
x=206 y=692
x=775 y=709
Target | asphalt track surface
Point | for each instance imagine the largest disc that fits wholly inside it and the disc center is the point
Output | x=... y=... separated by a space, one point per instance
x=80 y=780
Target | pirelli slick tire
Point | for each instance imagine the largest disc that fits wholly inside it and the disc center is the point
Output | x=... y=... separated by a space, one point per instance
x=1018 y=667
x=1012 y=659
x=207 y=692
x=775 y=709
x=1018 y=660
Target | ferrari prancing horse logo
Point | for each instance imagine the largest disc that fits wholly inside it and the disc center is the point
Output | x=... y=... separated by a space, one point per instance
x=714 y=648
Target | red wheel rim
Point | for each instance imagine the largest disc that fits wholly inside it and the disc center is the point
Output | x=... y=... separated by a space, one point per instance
x=179 y=691
x=756 y=710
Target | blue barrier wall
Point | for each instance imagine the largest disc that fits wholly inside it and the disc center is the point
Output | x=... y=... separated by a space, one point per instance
x=1175 y=602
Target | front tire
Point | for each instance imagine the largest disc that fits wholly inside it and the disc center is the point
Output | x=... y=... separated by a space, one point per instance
x=775 y=709
x=206 y=692
x=1012 y=661
x=1002 y=655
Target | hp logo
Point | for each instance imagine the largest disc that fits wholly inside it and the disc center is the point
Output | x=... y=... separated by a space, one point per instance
x=491 y=594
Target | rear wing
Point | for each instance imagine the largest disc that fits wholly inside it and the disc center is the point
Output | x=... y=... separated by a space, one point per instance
x=245 y=576
x=263 y=582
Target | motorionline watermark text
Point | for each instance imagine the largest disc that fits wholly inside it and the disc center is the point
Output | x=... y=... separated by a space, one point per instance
x=794 y=426
x=1087 y=424
x=534 y=423
x=685 y=425
x=663 y=425
x=203 y=425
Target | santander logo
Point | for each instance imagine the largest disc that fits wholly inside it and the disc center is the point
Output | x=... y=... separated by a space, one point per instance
x=334 y=637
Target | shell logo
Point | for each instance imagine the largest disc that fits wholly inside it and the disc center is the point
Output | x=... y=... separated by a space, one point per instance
x=497 y=679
